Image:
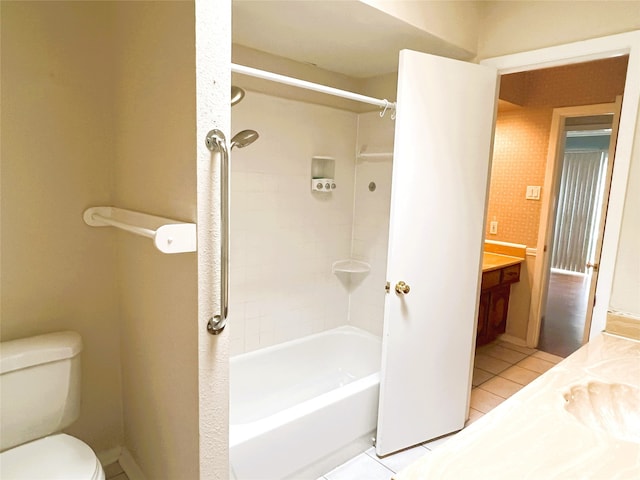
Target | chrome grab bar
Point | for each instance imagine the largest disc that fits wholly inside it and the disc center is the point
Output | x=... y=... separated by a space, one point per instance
x=216 y=142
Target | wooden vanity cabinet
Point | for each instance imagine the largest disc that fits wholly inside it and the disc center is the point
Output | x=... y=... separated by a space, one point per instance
x=494 y=302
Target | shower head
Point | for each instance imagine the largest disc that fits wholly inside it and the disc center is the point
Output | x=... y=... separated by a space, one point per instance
x=237 y=94
x=244 y=138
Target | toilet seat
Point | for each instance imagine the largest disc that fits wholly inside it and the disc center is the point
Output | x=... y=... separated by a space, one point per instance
x=56 y=457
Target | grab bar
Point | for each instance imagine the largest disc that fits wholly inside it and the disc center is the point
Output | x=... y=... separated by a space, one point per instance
x=216 y=142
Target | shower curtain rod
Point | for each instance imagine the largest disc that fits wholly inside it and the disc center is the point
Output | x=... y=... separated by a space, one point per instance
x=294 y=82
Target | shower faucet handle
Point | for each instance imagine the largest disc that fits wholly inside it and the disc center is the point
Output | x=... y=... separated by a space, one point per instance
x=402 y=288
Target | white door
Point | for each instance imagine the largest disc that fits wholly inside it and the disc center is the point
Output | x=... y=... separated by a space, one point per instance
x=443 y=138
x=595 y=265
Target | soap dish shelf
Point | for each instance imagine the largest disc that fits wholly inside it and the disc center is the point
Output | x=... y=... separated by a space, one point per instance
x=350 y=266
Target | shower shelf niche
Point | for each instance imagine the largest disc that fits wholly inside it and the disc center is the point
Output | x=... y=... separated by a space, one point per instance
x=323 y=174
x=169 y=236
x=350 y=266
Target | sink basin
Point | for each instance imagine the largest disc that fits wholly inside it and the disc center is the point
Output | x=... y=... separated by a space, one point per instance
x=612 y=408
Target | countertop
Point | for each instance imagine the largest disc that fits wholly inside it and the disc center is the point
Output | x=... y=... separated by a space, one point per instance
x=532 y=436
x=494 y=261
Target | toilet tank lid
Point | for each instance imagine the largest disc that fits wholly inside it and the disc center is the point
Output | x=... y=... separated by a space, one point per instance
x=27 y=352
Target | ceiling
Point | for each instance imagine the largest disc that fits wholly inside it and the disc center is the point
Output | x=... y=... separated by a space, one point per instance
x=346 y=36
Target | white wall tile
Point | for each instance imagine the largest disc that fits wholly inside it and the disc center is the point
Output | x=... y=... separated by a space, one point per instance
x=285 y=238
x=371 y=222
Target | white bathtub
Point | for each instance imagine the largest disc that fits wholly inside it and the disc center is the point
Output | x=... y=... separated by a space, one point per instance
x=295 y=404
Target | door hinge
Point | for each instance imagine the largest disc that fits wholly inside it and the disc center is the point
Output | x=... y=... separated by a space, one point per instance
x=387 y=287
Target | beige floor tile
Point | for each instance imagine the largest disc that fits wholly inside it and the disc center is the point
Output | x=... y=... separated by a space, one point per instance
x=506 y=354
x=490 y=364
x=517 y=348
x=549 y=357
x=484 y=348
x=484 y=401
x=473 y=416
x=519 y=375
x=501 y=386
x=480 y=376
x=535 y=364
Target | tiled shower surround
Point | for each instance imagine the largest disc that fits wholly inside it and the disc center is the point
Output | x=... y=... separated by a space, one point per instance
x=285 y=238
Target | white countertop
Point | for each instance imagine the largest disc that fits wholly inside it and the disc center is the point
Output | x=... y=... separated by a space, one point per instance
x=532 y=436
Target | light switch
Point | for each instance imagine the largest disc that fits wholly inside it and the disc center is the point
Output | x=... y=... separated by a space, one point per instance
x=533 y=192
x=493 y=227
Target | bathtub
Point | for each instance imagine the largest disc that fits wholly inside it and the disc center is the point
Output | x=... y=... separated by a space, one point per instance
x=301 y=403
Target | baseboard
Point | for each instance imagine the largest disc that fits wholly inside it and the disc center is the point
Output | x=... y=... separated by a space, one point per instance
x=623 y=324
x=511 y=339
x=130 y=466
x=107 y=457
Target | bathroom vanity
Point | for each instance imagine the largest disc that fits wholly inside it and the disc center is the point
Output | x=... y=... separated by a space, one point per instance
x=581 y=419
x=498 y=273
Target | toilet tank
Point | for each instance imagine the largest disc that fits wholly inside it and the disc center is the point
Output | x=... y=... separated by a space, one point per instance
x=39 y=386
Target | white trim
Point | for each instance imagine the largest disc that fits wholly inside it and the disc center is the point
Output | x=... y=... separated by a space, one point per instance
x=107 y=457
x=130 y=467
x=505 y=244
x=532 y=252
x=505 y=337
x=594 y=49
x=577 y=52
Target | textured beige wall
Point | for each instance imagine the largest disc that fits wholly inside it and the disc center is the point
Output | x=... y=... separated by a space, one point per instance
x=213 y=54
x=155 y=172
x=509 y=27
x=454 y=22
x=57 y=159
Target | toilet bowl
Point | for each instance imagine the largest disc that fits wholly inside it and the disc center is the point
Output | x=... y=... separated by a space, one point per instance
x=40 y=395
x=57 y=457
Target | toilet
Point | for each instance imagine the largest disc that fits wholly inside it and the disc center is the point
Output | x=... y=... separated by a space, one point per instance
x=40 y=396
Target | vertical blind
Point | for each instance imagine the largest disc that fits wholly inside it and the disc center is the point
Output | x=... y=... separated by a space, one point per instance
x=578 y=212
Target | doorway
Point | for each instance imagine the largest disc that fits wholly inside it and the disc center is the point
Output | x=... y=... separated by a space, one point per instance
x=527 y=132
x=584 y=161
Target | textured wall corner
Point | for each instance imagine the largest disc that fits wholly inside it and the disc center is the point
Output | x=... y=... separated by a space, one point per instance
x=213 y=83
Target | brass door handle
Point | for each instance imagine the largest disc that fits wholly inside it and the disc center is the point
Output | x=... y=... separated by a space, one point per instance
x=402 y=288
x=592 y=265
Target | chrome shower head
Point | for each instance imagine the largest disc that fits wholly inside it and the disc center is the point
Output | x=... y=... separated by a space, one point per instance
x=237 y=94
x=244 y=138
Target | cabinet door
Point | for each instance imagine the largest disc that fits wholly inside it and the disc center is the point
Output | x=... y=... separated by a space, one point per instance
x=442 y=148
x=498 y=309
x=482 y=335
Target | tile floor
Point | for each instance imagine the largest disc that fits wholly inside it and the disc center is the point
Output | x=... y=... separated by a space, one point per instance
x=501 y=369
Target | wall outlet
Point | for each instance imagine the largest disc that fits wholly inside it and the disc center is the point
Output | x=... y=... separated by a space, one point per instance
x=493 y=227
x=533 y=193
